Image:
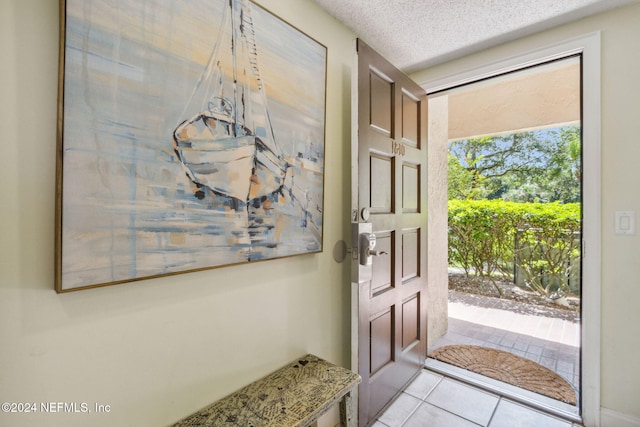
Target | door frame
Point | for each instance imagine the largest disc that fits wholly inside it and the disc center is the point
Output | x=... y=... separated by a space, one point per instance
x=588 y=46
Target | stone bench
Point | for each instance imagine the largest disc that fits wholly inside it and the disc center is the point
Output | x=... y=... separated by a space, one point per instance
x=294 y=395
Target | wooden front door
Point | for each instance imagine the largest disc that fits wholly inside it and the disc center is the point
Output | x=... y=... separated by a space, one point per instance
x=389 y=206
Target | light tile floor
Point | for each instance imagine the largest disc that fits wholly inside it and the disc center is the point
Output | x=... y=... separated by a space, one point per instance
x=435 y=400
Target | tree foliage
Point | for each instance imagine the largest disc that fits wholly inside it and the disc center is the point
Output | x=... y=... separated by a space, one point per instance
x=536 y=166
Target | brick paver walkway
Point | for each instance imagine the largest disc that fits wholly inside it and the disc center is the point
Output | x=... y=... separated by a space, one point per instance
x=548 y=336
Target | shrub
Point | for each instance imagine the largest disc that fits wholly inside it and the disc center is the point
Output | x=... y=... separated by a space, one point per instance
x=491 y=237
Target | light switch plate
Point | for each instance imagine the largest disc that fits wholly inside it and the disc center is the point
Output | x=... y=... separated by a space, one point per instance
x=625 y=222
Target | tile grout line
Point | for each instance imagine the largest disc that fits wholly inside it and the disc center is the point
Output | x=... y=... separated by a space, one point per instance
x=411 y=413
x=493 y=414
x=443 y=377
x=421 y=400
x=444 y=410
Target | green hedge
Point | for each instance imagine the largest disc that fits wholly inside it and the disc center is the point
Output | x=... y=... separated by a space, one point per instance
x=540 y=242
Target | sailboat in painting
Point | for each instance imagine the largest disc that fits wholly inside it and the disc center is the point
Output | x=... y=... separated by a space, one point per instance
x=228 y=144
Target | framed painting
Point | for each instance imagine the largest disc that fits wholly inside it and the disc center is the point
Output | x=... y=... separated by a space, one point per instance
x=191 y=135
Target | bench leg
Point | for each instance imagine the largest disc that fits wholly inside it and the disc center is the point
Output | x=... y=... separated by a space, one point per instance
x=347 y=411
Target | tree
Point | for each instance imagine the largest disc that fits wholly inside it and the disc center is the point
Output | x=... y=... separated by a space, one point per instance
x=536 y=166
x=559 y=178
x=489 y=159
x=461 y=182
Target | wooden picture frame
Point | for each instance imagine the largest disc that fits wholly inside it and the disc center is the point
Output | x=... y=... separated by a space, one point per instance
x=191 y=135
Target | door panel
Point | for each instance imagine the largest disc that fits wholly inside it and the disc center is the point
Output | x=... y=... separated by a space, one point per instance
x=391 y=199
x=381 y=343
x=410 y=321
x=381 y=106
x=382 y=268
x=410 y=113
x=381 y=201
x=410 y=188
x=410 y=254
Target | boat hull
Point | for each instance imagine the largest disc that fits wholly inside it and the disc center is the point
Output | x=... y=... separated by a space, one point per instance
x=240 y=166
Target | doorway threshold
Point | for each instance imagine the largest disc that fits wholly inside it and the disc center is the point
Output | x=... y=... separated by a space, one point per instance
x=526 y=397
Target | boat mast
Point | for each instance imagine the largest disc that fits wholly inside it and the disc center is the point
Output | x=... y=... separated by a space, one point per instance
x=249 y=34
x=234 y=65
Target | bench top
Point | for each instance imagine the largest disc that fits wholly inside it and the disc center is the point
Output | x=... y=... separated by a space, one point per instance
x=294 y=395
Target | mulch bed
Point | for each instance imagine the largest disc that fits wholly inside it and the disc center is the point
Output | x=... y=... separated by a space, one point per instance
x=458 y=282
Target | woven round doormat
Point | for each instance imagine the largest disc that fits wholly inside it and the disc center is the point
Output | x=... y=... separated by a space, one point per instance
x=508 y=368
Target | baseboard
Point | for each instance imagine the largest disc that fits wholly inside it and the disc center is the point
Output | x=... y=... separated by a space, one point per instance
x=609 y=418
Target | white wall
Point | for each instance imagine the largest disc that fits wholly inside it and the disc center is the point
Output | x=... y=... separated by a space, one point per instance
x=620 y=31
x=159 y=349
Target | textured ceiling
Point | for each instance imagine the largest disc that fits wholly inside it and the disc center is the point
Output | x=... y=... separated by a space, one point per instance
x=415 y=34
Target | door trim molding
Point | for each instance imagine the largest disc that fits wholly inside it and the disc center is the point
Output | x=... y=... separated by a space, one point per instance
x=588 y=46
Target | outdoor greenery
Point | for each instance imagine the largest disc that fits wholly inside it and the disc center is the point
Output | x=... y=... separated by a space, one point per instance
x=538 y=166
x=490 y=238
x=514 y=208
